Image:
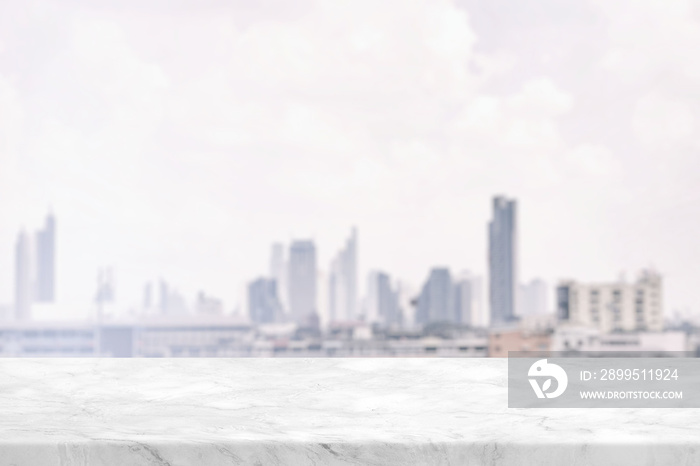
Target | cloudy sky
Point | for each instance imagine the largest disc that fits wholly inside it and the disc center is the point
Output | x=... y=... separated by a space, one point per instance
x=181 y=138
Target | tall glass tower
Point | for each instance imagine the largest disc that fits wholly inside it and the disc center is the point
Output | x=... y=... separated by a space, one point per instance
x=342 y=282
x=23 y=293
x=503 y=260
x=301 y=281
x=46 y=261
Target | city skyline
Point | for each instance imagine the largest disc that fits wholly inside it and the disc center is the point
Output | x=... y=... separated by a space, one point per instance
x=182 y=141
x=523 y=299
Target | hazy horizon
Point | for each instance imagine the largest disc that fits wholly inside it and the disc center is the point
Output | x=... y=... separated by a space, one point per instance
x=182 y=139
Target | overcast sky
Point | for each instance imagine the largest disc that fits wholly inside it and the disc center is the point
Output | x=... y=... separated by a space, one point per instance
x=182 y=138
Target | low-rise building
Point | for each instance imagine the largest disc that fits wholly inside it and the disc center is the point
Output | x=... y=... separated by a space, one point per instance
x=223 y=336
x=503 y=340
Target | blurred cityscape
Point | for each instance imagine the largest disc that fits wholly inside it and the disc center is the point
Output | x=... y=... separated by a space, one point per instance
x=296 y=310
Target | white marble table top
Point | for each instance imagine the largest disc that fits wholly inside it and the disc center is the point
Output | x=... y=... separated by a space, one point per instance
x=311 y=411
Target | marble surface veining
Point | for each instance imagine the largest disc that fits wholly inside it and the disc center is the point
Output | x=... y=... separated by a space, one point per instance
x=311 y=411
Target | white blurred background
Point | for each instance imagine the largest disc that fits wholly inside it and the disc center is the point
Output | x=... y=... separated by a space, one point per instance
x=180 y=139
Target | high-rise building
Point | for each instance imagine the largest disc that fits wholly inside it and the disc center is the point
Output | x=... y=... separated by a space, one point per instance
x=163 y=296
x=301 y=281
x=208 y=305
x=23 y=289
x=322 y=298
x=503 y=261
x=616 y=306
x=351 y=272
x=472 y=308
x=263 y=304
x=334 y=291
x=104 y=294
x=463 y=302
x=382 y=301
x=148 y=296
x=46 y=261
x=278 y=272
x=105 y=286
x=170 y=300
x=436 y=301
x=532 y=298
x=342 y=282
x=405 y=297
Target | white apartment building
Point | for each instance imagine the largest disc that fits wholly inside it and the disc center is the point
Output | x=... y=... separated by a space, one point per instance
x=611 y=307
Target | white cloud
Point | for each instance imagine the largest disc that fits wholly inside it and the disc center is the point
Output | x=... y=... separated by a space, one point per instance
x=107 y=68
x=525 y=121
x=660 y=122
x=11 y=119
x=591 y=161
x=541 y=97
x=652 y=37
x=184 y=142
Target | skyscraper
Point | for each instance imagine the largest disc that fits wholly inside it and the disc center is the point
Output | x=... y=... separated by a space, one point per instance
x=471 y=308
x=382 y=301
x=436 y=301
x=278 y=272
x=208 y=305
x=463 y=302
x=301 y=280
x=46 y=261
x=105 y=286
x=170 y=301
x=263 y=303
x=23 y=290
x=405 y=297
x=148 y=296
x=163 y=296
x=503 y=253
x=342 y=282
